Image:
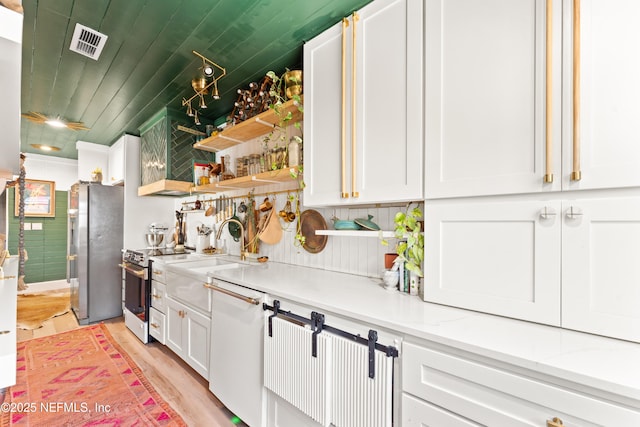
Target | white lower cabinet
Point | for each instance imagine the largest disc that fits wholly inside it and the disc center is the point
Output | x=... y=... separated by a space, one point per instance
x=187 y=334
x=564 y=262
x=442 y=388
x=157 y=325
x=418 y=413
x=8 y=290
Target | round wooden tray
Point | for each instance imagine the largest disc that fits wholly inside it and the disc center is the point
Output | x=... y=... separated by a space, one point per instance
x=310 y=221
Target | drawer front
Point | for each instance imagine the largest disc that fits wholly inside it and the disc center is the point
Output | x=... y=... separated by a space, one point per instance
x=157 y=325
x=493 y=396
x=418 y=413
x=159 y=296
x=158 y=273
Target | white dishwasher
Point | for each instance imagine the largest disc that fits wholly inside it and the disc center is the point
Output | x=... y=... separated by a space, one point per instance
x=236 y=364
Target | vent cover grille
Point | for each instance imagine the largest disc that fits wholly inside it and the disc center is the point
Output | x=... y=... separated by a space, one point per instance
x=87 y=42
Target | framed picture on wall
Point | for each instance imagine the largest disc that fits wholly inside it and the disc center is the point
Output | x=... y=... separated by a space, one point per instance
x=39 y=198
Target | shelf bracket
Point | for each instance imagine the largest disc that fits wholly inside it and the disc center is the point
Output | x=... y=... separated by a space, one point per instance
x=263 y=122
x=253 y=178
x=228 y=138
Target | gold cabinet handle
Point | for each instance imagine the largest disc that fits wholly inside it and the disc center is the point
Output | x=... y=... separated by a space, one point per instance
x=157 y=273
x=71 y=257
x=555 y=422
x=343 y=142
x=576 y=174
x=354 y=193
x=548 y=176
x=156 y=296
x=155 y=325
x=7 y=277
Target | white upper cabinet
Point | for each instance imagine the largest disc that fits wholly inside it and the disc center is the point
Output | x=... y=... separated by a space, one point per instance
x=501 y=93
x=10 y=67
x=363 y=107
x=607 y=89
x=485 y=96
x=116 y=162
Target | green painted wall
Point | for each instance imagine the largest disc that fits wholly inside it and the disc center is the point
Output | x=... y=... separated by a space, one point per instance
x=46 y=248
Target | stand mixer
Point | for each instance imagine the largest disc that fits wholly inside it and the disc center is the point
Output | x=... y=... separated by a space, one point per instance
x=155 y=236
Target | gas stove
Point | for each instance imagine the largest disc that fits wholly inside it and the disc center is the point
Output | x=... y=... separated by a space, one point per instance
x=140 y=257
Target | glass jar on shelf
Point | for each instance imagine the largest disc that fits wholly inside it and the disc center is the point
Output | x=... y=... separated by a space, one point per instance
x=254 y=164
x=226 y=169
x=240 y=171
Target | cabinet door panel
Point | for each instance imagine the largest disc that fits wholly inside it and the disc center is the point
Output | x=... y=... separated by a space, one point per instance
x=197 y=333
x=175 y=338
x=609 y=91
x=418 y=413
x=600 y=270
x=499 y=258
x=323 y=117
x=389 y=102
x=485 y=97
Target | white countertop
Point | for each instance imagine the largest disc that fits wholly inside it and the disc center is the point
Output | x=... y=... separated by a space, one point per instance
x=603 y=363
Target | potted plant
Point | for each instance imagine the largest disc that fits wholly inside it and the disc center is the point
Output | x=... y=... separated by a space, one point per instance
x=410 y=247
x=289 y=85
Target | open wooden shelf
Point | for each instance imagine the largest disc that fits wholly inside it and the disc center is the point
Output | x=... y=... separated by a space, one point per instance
x=249 y=129
x=165 y=187
x=264 y=178
x=356 y=233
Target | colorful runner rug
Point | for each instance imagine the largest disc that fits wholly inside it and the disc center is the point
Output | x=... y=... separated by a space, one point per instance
x=81 y=378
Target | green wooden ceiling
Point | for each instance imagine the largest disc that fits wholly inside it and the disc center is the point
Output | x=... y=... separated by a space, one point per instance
x=147 y=62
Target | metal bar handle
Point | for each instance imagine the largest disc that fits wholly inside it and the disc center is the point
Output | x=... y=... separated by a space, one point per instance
x=232 y=294
x=548 y=176
x=354 y=192
x=343 y=142
x=137 y=273
x=576 y=174
x=7 y=277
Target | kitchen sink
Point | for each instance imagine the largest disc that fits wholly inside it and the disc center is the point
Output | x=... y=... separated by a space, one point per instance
x=186 y=278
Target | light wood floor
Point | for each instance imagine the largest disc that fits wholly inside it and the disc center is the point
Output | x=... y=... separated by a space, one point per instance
x=185 y=390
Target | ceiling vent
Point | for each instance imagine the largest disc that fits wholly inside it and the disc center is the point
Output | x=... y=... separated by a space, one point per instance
x=87 y=42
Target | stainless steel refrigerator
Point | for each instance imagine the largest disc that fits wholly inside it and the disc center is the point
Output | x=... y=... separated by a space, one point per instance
x=94 y=251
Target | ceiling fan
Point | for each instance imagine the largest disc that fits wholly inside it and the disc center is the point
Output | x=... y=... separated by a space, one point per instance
x=55 y=122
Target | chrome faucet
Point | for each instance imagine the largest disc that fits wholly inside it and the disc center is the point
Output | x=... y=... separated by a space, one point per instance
x=243 y=255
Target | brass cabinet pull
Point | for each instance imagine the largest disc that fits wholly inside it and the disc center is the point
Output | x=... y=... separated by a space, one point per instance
x=248 y=300
x=576 y=174
x=159 y=273
x=7 y=277
x=5 y=332
x=155 y=325
x=548 y=176
x=181 y=313
x=354 y=193
x=156 y=296
x=343 y=193
x=555 y=422
x=71 y=257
